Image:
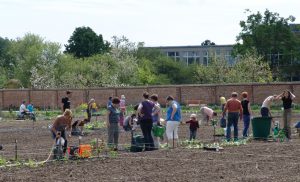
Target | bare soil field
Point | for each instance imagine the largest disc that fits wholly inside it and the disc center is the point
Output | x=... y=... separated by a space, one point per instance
x=255 y=161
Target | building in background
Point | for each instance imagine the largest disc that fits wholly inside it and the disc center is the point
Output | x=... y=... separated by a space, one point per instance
x=198 y=54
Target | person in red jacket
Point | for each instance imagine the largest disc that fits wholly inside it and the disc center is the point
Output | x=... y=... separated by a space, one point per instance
x=194 y=125
x=235 y=111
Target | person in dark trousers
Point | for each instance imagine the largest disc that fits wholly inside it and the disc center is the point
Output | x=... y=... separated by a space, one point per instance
x=287 y=99
x=112 y=122
x=145 y=109
x=235 y=111
x=61 y=125
x=66 y=101
x=246 y=113
x=194 y=125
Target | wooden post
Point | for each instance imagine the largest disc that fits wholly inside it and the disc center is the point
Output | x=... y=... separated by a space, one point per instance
x=97 y=148
x=16 y=150
x=173 y=140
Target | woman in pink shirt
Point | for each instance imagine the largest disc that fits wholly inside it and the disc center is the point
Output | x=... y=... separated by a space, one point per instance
x=207 y=114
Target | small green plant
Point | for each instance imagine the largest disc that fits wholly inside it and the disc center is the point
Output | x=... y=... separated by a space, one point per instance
x=31 y=163
x=113 y=154
x=2 y=161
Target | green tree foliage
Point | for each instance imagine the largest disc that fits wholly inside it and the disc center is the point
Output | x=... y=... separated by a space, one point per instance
x=207 y=43
x=84 y=42
x=268 y=34
x=249 y=68
x=215 y=72
x=26 y=52
x=43 y=72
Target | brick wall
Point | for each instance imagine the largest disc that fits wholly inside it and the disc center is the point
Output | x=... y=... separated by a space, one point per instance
x=209 y=94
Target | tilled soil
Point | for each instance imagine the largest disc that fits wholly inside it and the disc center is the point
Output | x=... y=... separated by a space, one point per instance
x=256 y=161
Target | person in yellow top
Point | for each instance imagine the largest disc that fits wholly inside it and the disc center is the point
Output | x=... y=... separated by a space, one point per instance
x=222 y=101
x=94 y=107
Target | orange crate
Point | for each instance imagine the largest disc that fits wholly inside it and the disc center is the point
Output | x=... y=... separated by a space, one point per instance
x=85 y=151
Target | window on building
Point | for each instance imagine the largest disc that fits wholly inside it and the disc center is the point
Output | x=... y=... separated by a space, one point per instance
x=174 y=55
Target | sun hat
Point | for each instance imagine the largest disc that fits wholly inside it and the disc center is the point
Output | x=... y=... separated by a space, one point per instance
x=193 y=116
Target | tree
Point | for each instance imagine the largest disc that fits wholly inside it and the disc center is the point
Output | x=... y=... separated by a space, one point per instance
x=270 y=36
x=84 y=42
x=207 y=43
x=249 y=68
x=43 y=72
x=215 y=72
x=6 y=62
x=26 y=52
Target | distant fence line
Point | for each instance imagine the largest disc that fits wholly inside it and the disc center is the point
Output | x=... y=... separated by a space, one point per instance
x=207 y=94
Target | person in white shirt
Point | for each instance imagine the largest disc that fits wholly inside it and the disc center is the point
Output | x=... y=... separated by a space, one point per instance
x=23 y=110
x=207 y=114
x=266 y=106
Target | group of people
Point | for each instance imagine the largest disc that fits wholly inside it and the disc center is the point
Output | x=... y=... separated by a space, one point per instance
x=26 y=111
x=148 y=114
x=237 y=109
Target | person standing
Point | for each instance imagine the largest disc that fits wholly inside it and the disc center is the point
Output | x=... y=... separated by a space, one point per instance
x=123 y=109
x=173 y=120
x=246 y=113
x=194 y=125
x=66 y=101
x=109 y=102
x=222 y=102
x=156 y=113
x=287 y=99
x=90 y=109
x=235 y=110
x=265 y=109
x=112 y=122
x=145 y=112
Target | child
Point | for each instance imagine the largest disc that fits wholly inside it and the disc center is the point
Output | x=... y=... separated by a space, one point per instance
x=194 y=125
x=129 y=123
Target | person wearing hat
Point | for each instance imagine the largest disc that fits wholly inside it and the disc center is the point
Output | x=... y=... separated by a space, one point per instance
x=235 y=111
x=66 y=101
x=194 y=125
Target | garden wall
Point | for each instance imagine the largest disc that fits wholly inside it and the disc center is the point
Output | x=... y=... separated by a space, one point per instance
x=208 y=94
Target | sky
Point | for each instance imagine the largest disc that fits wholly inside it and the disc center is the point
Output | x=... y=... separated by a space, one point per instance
x=155 y=22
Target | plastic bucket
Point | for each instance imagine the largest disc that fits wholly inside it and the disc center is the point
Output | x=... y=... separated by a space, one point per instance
x=158 y=131
x=261 y=127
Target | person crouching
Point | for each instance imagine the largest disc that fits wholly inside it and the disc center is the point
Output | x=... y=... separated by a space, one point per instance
x=62 y=124
x=194 y=125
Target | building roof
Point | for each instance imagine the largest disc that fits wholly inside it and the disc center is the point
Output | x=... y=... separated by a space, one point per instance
x=191 y=46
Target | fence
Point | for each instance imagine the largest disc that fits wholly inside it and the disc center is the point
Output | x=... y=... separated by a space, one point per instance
x=208 y=94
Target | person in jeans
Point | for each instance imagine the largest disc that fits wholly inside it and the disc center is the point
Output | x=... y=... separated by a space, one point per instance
x=194 y=125
x=287 y=99
x=155 y=118
x=235 y=110
x=113 y=118
x=265 y=109
x=246 y=113
x=173 y=120
x=144 y=110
